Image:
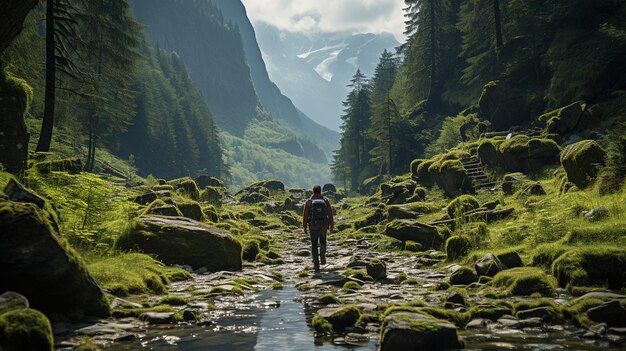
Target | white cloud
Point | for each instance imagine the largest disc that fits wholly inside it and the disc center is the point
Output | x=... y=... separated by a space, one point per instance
x=307 y=16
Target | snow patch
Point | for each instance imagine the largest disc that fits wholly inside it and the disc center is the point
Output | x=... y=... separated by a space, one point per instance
x=323 y=69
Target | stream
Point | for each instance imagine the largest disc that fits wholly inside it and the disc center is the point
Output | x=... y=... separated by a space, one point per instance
x=276 y=320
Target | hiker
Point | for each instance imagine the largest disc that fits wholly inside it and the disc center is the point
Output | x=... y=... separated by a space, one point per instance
x=317 y=219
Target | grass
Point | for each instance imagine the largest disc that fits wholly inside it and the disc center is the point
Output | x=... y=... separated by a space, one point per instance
x=133 y=273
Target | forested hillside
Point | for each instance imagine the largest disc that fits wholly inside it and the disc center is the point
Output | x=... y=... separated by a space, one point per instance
x=482 y=65
x=112 y=93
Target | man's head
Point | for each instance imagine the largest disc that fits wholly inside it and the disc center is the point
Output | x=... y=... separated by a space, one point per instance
x=317 y=190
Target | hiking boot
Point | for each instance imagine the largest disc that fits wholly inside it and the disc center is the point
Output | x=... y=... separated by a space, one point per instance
x=316 y=268
x=323 y=258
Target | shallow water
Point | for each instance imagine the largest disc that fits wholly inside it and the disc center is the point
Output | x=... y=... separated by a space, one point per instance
x=262 y=325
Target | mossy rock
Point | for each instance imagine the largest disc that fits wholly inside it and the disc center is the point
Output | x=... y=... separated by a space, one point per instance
x=582 y=162
x=369 y=185
x=329 y=299
x=458 y=246
x=414 y=167
x=38 y=263
x=588 y=266
x=187 y=187
x=524 y=281
x=502 y=106
x=25 y=329
x=191 y=209
x=405 y=230
x=15 y=95
x=273 y=185
x=342 y=317
x=417 y=331
x=452 y=178
x=462 y=205
x=488 y=152
x=424 y=176
x=253 y=198
x=204 y=181
x=70 y=165
x=183 y=241
x=212 y=195
x=210 y=214
x=563 y=120
x=376 y=269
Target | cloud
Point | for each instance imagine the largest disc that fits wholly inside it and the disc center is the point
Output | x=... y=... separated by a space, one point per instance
x=308 y=16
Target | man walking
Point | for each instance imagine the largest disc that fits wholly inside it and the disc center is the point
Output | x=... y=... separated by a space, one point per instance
x=317 y=219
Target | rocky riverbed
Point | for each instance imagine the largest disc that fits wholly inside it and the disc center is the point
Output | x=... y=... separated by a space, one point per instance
x=270 y=306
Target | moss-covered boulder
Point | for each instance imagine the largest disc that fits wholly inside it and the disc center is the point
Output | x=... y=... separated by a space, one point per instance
x=204 y=181
x=524 y=281
x=588 y=266
x=271 y=185
x=451 y=177
x=488 y=265
x=331 y=188
x=458 y=246
x=191 y=209
x=179 y=240
x=341 y=317
x=488 y=151
x=397 y=192
x=405 y=230
x=186 y=186
x=15 y=97
x=563 y=120
x=70 y=165
x=376 y=269
x=414 y=166
x=22 y=328
x=404 y=330
x=463 y=276
x=212 y=195
x=369 y=185
x=37 y=263
x=253 y=198
x=582 y=161
x=462 y=205
x=410 y=211
x=502 y=106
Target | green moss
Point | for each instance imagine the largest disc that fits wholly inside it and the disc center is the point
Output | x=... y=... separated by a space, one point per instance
x=277 y=286
x=186 y=187
x=329 y=299
x=344 y=317
x=458 y=247
x=166 y=187
x=173 y=300
x=591 y=265
x=321 y=325
x=576 y=310
x=19 y=88
x=235 y=290
x=359 y=274
x=413 y=246
x=461 y=205
x=250 y=250
x=25 y=329
x=190 y=209
x=157 y=204
x=530 y=304
x=86 y=344
x=444 y=314
x=545 y=254
x=351 y=285
x=524 y=281
x=414 y=166
x=133 y=273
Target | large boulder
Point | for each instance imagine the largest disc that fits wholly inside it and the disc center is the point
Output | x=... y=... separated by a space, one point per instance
x=15 y=96
x=582 y=161
x=22 y=328
x=415 y=331
x=18 y=193
x=563 y=120
x=329 y=188
x=451 y=177
x=502 y=107
x=271 y=185
x=405 y=230
x=183 y=241
x=489 y=265
x=37 y=263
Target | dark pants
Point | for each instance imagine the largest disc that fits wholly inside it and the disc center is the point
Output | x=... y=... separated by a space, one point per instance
x=317 y=235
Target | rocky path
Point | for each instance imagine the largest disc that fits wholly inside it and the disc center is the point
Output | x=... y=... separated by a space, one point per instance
x=226 y=309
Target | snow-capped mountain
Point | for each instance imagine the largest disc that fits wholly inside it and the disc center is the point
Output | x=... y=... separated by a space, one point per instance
x=313 y=70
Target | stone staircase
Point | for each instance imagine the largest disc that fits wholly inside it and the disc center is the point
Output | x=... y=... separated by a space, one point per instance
x=476 y=171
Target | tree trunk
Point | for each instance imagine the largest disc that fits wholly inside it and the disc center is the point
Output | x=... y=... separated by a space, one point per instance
x=12 y=16
x=498 y=20
x=45 y=138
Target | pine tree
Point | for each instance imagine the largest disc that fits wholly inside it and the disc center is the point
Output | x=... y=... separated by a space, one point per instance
x=428 y=27
x=61 y=34
x=384 y=113
x=112 y=41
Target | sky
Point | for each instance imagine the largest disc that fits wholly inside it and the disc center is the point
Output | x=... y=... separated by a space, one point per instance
x=309 y=16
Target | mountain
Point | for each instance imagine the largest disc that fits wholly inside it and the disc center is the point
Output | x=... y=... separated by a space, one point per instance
x=224 y=62
x=270 y=96
x=319 y=65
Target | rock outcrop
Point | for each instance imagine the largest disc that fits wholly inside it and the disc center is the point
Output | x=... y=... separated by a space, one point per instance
x=38 y=264
x=405 y=230
x=183 y=241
